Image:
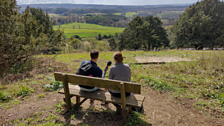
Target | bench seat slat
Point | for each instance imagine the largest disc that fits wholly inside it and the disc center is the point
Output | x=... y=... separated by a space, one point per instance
x=102 y=95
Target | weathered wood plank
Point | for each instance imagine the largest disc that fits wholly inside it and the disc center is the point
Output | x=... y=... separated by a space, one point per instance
x=67 y=94
x=123 y=103
x=102 y=95
x=99 y=82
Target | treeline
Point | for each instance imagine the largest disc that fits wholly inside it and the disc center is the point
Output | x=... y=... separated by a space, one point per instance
x=107 y=20
x=201 y=25
x=101 y=19
x=144 y=33
x=23 y=35
x=66 y=12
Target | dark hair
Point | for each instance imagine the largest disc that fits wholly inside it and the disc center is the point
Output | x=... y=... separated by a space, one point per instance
x=118 y=57
x=94 y=54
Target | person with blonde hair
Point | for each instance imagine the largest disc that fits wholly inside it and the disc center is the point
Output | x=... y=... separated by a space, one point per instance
x=119 y=71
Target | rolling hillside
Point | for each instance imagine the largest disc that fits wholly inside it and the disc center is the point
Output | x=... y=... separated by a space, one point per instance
x=87 y=30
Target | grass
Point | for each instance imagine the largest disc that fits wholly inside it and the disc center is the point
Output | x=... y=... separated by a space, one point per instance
x=131 y=14
x=202 y=78
x=54 y=15
x=117 y=13
x=87 y=30
x=41 y=96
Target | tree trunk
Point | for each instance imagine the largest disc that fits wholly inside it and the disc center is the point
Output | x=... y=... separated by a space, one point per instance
x=149 y=46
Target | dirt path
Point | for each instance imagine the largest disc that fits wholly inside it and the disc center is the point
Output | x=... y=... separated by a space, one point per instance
x=160 y=59
x=160 y=110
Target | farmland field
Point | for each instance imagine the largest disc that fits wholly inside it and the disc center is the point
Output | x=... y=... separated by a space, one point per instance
x=117 y=13
x=130 y=14
x=87 y=30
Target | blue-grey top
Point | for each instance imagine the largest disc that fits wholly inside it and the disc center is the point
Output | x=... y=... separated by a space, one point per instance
x=121 y=72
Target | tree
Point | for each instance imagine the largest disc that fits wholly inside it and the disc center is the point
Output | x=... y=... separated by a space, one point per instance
x=77 y=37
x=105 y=37
x=143 y=32
x=75 y=43
x=201 y=25
x=112 y=44
x=43 y=19
x=21 y=36
x=99 y=37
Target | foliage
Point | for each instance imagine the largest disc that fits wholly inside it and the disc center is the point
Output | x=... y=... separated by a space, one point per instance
x=24 y=91
x=21 y=36
x=43 y=18
x=4 y=96
x=136 y=119
x=54 y=85
x=112 y=43
x=105 y=37
x=99 y=37
x=143 y=33
x=200 y=25
x=106 y=20
x=158 y=84
x=75 y=43
x=41 y=96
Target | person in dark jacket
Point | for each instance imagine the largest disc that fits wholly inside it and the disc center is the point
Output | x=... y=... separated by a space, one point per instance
x=95 y=72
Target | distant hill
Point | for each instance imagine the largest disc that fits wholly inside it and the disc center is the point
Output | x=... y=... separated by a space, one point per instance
x=95 y=6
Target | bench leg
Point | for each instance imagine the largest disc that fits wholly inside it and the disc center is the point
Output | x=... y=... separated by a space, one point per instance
x=124 y=116
x=118 y=107
x=125 y=112
x=77 y=99
x=77 y=105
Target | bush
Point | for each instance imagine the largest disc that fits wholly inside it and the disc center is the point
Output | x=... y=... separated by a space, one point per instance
x=54 y=85
x=4 y=97
x=24 y=91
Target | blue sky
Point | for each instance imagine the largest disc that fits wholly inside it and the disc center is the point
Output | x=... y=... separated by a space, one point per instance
x=110 y=2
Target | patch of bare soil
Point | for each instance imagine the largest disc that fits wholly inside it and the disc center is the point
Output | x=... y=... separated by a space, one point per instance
x=160 y=110
x=160 y=59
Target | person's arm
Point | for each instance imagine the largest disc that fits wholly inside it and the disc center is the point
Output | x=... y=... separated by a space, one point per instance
x=111 y=73
x=104 y=72
x=100 y=73
x=129 y=74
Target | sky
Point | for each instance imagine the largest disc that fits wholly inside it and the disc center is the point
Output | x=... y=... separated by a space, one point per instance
x=110 y=2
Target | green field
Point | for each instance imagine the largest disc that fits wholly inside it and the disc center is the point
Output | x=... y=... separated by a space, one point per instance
x=87 y=30
x=53 y=15
x=117 y=13
x=130 y=14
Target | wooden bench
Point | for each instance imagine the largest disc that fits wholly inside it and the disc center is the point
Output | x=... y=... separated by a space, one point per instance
x=102 y=95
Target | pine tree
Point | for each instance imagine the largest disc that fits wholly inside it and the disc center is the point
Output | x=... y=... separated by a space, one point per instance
x=201 y=25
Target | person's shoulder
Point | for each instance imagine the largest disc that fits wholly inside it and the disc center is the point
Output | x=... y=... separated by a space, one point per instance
x=98 y=68
x=83 y=62
x=126 y=65
x=112 y=67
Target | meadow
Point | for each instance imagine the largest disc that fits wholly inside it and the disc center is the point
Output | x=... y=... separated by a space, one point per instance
x=117 y=13
x=130 y=14
x=196 y=80
x=87 y=30
x=200 y=76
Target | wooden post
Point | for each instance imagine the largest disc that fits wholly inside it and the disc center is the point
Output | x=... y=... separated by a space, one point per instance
x=77 y=99
x=67 y=93
x=123 y=104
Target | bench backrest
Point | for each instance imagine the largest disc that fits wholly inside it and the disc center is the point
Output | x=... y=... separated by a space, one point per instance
x=98 y=82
